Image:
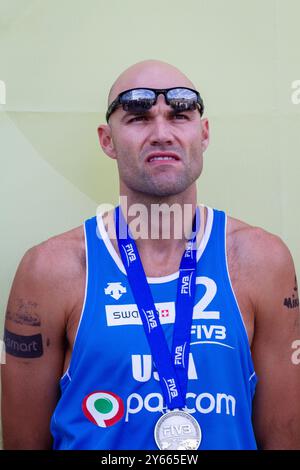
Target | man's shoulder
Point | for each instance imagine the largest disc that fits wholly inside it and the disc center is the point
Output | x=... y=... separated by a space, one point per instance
x=256 y=248
x=60 y=256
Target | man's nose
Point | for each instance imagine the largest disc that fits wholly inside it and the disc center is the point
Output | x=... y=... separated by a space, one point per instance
x=161 y=132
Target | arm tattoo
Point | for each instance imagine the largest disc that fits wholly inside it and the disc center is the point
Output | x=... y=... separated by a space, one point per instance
x=25 y=314
x=23 y=346
x=293 y=301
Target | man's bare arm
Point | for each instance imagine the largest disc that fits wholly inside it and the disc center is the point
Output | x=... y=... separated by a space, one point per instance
x=35 y=343
x=276 y=411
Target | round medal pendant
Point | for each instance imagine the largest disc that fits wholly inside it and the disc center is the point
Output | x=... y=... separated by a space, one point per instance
x=177 y=430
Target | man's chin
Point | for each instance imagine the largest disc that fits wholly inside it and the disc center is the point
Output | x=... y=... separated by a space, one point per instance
x=166 y=190
x=160 y=187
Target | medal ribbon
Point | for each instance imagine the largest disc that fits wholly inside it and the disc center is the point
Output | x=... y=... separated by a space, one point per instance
x=172 y=367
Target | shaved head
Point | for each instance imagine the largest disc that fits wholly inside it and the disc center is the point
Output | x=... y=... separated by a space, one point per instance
x=160 y=152
x=151 y=74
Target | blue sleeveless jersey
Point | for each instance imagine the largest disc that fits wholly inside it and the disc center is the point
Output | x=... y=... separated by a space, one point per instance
x=110 y=394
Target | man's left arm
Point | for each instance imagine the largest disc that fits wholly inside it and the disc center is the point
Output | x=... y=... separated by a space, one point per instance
x=276 y=406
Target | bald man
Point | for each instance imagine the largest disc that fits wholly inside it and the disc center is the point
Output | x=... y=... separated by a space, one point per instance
x=147 y=342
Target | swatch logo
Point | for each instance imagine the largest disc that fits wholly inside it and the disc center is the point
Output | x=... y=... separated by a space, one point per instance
x=103 y=408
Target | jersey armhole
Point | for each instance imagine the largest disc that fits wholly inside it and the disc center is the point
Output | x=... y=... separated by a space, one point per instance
x=67 y=375
x=230 y=283
x=253 y=376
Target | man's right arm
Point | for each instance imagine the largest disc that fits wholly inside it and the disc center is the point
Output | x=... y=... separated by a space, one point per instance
x=35 y=346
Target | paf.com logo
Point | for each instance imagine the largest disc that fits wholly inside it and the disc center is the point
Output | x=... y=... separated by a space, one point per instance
x=103 y=408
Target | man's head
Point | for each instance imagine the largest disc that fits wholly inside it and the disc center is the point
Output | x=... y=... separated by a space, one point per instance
x=158 y=150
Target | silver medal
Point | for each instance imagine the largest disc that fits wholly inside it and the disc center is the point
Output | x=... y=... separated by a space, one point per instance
x=177 y=430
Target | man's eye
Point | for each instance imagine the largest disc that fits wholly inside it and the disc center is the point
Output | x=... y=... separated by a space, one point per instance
x=180 y=116
x=137 y=119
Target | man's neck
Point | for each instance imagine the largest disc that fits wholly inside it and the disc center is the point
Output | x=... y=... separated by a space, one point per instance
x=160 y=256
x=160 y=224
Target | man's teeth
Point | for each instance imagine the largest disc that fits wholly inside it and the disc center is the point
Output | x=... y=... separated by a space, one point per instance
x=152 y=159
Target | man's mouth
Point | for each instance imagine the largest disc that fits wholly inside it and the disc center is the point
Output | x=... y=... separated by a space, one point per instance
x=162 y=157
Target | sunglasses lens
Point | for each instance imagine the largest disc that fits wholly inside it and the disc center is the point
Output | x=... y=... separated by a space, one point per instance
x=138 y=100
x=182 y=99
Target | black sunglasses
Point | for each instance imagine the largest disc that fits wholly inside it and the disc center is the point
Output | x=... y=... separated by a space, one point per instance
x=139 y=100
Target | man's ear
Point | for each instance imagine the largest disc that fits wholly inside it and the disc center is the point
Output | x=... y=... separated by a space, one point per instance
x=106 y=142
x=205 y=133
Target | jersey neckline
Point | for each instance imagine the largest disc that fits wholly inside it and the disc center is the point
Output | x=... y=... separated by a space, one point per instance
x=161 y=279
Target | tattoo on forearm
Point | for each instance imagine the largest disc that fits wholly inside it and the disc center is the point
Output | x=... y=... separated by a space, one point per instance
x=25 y=314
x=23 y=346
x=293 y=301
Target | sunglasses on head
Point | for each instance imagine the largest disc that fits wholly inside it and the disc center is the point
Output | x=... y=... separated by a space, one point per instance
x=140 y=100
